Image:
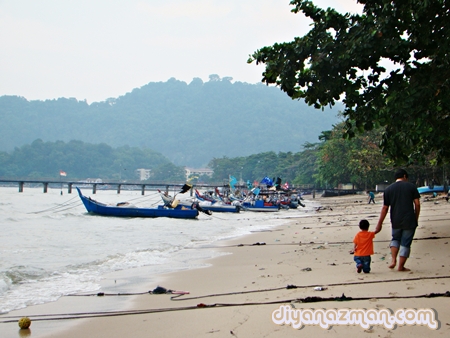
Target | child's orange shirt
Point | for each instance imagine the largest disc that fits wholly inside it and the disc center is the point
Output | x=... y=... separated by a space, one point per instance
x=364 y=243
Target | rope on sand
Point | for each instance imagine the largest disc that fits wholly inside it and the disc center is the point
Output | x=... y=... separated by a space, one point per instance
x=311 y=243
x=313 y=299
x=161 y=290
x=312 y=286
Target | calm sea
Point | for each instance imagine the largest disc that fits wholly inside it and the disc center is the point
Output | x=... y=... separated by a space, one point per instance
x=50 y=246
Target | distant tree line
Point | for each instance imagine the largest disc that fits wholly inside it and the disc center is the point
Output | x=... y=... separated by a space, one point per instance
x=83 y=160
x=331 y=161
x=325 y=164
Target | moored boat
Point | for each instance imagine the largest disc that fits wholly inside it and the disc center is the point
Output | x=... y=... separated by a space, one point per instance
x=431 y=189
x=259 y=206
x=200 y=204
x=218 y=207
x=126 y=210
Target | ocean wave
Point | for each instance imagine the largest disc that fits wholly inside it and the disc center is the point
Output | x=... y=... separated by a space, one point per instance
x=20 y=274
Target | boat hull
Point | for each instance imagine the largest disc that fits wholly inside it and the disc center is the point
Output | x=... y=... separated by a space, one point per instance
x=259 y=206
x=220 y=208
x=98 y=208
x=431 y=189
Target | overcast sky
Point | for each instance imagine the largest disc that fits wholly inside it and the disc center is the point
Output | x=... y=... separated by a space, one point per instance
x=99 y=49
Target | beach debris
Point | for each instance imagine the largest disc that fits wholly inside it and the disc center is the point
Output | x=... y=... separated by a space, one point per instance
x=311 y=299
x=160 y=290
x=320 y=247
x=307 y=269
x=259 y=243
x=323 y=208
x=24 y=323
x=320 y=288
x=343 y=298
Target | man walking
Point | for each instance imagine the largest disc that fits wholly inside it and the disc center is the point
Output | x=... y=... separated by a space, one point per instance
x=404 y=200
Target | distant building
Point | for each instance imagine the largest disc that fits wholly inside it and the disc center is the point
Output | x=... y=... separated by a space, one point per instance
x=198 y=172
x=143 y=174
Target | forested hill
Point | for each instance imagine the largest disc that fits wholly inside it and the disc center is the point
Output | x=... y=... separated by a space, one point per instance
x=190 y=124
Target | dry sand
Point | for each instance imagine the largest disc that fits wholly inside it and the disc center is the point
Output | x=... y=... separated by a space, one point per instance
x=237 y=294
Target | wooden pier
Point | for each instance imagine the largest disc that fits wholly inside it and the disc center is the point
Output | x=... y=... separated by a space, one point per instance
x=56 y=184
x=119 y=186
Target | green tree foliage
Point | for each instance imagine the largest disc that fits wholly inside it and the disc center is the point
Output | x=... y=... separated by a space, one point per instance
x=326 y=164
x=245 y=168
x=290 y=167
x=390 y=64
x=81 y=160
x=306 y=166
x=168 y=172
x=358 y=161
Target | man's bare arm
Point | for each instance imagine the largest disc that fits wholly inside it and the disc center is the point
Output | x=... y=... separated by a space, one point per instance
x=417 y=208
x=383 y=213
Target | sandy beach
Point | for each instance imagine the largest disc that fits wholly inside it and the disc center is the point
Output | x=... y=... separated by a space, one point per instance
x=271 y=271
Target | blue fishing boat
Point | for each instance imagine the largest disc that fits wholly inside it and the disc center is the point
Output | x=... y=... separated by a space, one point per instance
x=218 y=207
x=431 y=189
x=126 y=210
x=259 y=206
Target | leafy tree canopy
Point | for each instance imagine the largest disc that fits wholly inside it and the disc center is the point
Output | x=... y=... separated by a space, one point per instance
x=84 y=160
x=390 y=65
x=358 y=161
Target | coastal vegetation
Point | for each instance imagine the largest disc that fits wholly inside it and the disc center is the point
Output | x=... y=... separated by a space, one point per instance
x=325 y=164
x=389 y=65
x=330 y=162
x=83 y=160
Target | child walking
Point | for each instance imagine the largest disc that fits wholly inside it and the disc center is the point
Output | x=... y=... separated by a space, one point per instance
x=371 y=197
x=363 y=247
